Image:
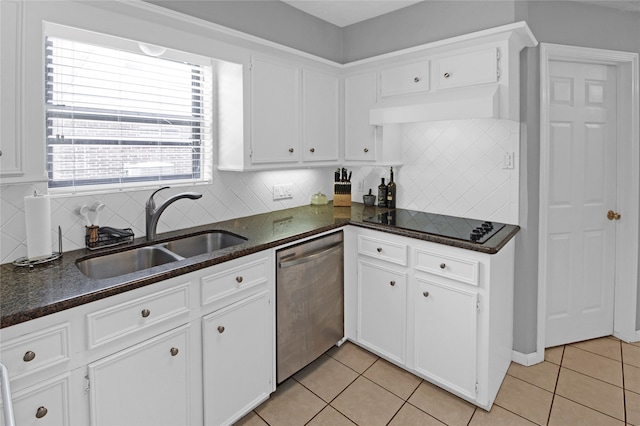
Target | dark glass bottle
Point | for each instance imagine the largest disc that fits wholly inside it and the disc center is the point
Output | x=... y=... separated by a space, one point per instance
x=382 y=194
x=391 y=191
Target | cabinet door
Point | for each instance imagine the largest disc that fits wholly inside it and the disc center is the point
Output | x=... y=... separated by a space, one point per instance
x=146 y=384
x=237 y=359
x=382 y=309
x=46 y=403
x=274 y=111
x=410 y=78
x=319 y=116
x=360 y=136
x=467 y=69
x=445 y=335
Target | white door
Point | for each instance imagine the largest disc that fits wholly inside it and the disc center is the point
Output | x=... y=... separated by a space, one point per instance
x=580 y=239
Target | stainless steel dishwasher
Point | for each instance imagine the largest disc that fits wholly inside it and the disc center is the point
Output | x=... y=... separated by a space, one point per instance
x=309 y=302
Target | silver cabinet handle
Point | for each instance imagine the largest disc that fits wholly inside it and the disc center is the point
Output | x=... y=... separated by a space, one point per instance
x=416 y=79
x=442 y=266
x=174 y=351
x=41 y=412
x=220 y=329
x=239 y=279
x=392 y=283
x=447 y=75
x=145 y=313
x=425 y=294
x=29 y=356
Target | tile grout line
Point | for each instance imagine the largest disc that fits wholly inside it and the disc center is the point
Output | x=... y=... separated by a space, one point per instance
x=555 y=388
x=624 y=390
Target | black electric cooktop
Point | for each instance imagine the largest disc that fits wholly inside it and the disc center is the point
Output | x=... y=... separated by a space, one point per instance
x=471 y=230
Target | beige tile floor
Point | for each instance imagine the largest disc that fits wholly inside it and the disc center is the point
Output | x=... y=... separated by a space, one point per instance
x=596 y=382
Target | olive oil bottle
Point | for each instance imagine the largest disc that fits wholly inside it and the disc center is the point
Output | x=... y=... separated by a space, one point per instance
x=382 y=194
x=391 y=191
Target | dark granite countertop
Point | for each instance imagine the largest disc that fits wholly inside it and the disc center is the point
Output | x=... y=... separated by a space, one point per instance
x=29 y=293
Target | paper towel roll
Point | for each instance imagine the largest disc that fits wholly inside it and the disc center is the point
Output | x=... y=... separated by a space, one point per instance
x=37 y=211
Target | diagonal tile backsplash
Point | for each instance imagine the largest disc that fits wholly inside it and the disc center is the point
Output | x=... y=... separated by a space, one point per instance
x=449 y=167
x=455 y=167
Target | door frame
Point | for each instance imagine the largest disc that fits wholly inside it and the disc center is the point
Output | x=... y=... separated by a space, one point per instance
x=627 y=181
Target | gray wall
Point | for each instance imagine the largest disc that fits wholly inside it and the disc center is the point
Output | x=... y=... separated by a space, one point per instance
x=422 y=23
x=271 y=20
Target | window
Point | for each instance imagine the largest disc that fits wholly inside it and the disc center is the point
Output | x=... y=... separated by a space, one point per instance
x=116 y=117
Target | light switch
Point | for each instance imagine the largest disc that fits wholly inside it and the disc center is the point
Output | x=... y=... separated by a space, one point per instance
x=507 y=162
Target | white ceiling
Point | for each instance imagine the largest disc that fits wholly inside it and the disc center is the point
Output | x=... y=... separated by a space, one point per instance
x=347 y=12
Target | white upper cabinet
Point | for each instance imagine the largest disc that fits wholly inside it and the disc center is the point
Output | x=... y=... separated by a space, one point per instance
x=360 y=136
x=405 y=79
x=467 y=69
x=275 y=98
x=320 y=111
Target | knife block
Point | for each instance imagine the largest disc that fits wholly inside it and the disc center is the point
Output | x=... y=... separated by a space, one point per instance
x=342 y=200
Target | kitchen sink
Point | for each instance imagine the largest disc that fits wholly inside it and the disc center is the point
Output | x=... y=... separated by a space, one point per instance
x=113 y=265
x=126 y=262
x=203 y=243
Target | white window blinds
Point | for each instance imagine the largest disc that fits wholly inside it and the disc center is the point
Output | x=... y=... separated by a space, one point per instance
x=115 y=117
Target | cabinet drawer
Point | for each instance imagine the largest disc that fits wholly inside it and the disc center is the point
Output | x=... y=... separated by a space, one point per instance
x=234 y=280
x=410 y=78
x=455 y=268
x=121 y=320
x=382 y=249
x=468 y=69
x=36 y=351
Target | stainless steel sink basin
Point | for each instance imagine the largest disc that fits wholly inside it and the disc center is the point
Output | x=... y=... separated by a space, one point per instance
x=203 y=243
x=113 y=265
x=126 y=262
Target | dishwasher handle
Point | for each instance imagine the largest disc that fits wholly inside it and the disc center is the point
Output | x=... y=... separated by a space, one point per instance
x=5 y=392
x=311 y=256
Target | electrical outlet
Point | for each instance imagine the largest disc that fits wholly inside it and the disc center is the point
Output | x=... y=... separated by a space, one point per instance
x=282 y=191
x=360 y=187
x=507 y=161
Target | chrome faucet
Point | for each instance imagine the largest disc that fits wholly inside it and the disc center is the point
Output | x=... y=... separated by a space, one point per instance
x=153 y=214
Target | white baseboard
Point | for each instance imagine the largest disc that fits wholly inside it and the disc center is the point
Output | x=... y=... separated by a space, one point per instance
x=526 y=359
x=633 y=336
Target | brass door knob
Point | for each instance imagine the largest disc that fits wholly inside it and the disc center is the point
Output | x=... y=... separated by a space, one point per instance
x=611 y=215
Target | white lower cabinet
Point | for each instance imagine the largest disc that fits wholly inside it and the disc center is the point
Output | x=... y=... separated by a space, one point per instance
x=237 y=359
x=445 y=332
x=441 y=312
x=146 y=384
x=382 y=309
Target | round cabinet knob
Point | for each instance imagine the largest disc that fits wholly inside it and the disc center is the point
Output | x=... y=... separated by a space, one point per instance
x=239 y=279
x=425 y=293
x=442 y=266
x=416 y=79
x=392 y=283
x=41 y=412
x=379 y=249
x=312 y=150
x=220 y=329
x=366 y=150
x=145 y=313
x=0 y=153
x=29 y=356
x=447 y=75
x=174 y=351
x=291 y=150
